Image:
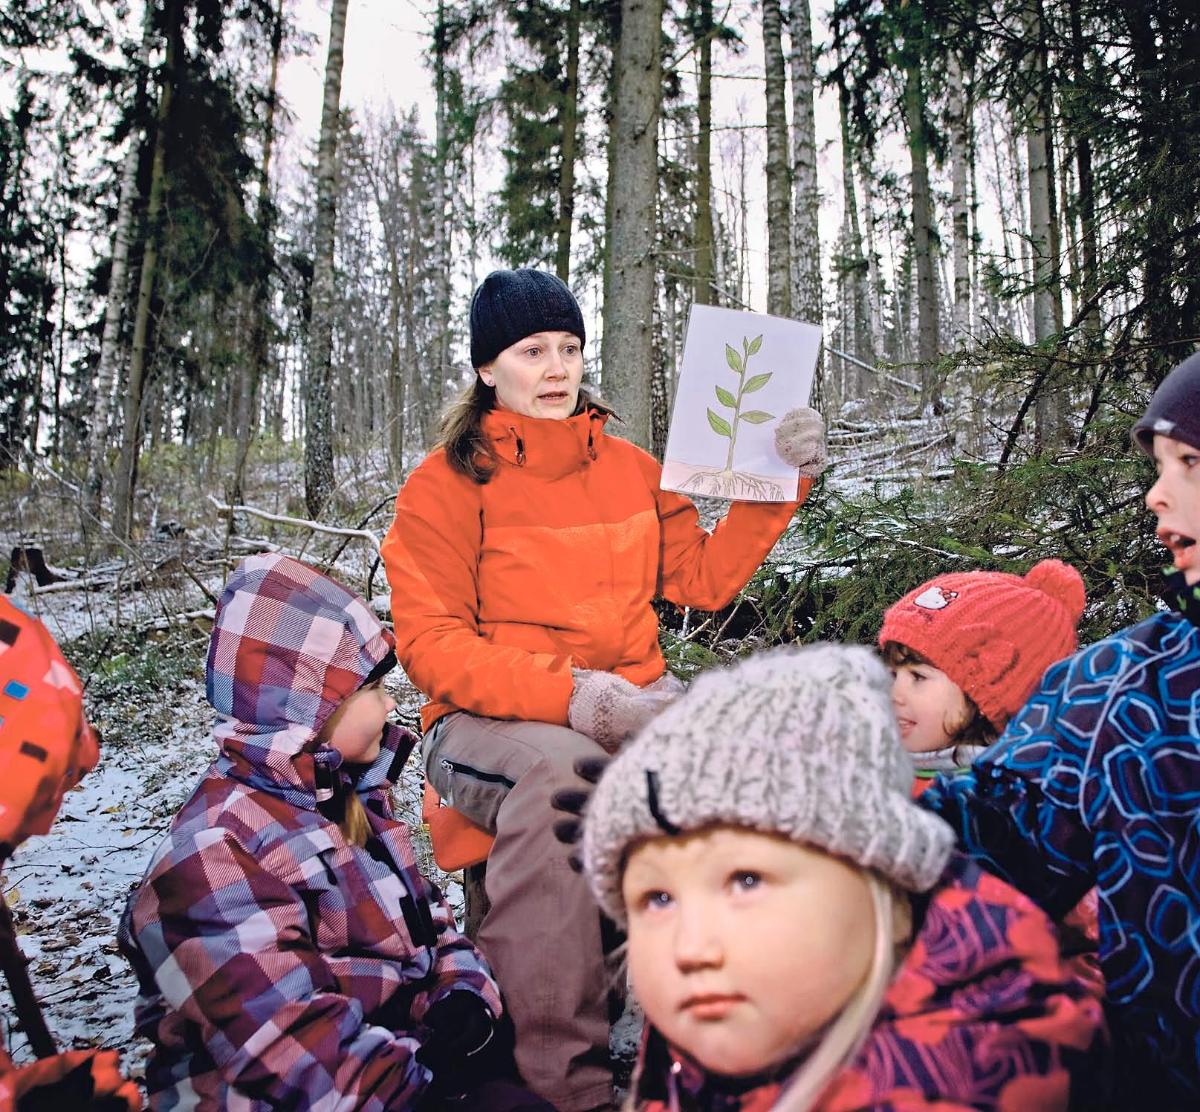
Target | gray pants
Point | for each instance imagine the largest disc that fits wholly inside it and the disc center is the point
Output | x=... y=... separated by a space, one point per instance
x=542 y=934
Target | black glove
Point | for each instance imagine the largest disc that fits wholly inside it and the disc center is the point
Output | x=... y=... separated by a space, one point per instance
x=462 y=1046
x=573 y=801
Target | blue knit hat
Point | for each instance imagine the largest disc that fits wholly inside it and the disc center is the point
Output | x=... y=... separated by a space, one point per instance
x=1174 y=410
x=509 y=305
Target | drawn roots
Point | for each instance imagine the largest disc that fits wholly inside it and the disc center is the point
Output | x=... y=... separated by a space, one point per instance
x=733 y=484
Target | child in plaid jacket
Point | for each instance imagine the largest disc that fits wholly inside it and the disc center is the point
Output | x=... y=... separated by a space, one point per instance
x=289 y=953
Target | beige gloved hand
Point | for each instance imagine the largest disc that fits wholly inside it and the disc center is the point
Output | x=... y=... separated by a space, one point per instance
x=610 y=709
x=800 y=441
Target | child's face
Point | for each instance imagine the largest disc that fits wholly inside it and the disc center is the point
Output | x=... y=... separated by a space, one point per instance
x=743 y=945
x=1175 y=499
x=355 y=729
x=930 y=707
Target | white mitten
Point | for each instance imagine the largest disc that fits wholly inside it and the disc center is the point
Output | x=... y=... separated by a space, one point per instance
x=800 y=441
x=610 y=709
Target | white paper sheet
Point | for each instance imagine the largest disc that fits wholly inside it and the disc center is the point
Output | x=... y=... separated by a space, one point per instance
x=741 y=373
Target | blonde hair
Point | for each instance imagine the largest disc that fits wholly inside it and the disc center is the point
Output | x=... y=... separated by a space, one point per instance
x=844 y=1036
x=354 y=824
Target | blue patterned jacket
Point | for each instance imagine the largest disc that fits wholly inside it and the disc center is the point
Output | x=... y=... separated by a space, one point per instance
x=1096 y=781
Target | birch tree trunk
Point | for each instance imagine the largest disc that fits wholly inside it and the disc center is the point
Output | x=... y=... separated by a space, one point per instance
x=704 y=290
x=958 y=113
x=922 y=232
x=566 y=177
x=318 y=401
x=627 y=350
x=1047 y=293
x=131 y=432
x=779 y=219
x=854 y=265
x=806 y=244
x=118 y=285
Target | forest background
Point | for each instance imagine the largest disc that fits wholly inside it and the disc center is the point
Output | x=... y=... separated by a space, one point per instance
x=1010 y=268
x=214 y=297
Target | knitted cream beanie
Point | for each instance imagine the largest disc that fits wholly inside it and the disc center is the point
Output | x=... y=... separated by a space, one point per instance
x=795 y=741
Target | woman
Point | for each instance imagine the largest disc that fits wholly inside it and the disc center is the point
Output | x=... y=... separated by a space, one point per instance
x=524 y=555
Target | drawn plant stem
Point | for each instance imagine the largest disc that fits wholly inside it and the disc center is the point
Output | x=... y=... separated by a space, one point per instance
x=739 y=364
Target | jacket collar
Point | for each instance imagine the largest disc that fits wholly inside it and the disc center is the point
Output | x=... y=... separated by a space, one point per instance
x=1182 y=597
x=543 y=446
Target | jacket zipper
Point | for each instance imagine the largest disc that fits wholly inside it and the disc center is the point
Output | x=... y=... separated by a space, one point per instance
x=478 y=774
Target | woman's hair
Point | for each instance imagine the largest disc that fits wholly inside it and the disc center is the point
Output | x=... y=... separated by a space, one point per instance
x=976 y=730
x=468 y=450
x=847 y=1031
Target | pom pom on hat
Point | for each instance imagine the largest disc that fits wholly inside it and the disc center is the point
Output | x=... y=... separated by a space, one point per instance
x=994 y=634
x=800 y=742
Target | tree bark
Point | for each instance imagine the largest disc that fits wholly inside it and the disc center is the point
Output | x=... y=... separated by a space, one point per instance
x=118 y=285
x=1089 y=252
x=923 y=237
x=958 y=114
x=436 y=388
x=627 y=348
x=318 y=407
x=807 y=303
x=260 y=293
x=779 y=218
x=704 y=290
x=1047 y=289
x=566 y=176
x=131 y=432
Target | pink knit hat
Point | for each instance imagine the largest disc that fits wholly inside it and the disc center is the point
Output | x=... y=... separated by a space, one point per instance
x=992 y=633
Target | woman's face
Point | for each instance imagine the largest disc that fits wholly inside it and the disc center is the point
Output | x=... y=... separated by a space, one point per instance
x=539 y=375
x=743 y=945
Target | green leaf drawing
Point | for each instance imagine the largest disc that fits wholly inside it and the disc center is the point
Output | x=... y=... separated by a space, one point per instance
x=719 y=425
x=756 y=382
x=726 y=398
x=755 y=344
x=757 y=416
x=733 y=359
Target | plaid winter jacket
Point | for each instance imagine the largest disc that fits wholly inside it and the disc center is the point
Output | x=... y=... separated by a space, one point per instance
x=982 y=1014
x=1097 y=782
x=280 y=966
x=500 y=589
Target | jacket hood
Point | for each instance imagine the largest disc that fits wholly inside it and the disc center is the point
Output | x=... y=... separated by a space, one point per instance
x=546 y=447
x=288 y=646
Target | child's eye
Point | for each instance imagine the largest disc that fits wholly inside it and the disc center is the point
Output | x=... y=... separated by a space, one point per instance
x=1190 y=459
x=533 y=352
x=746 y=880
x=571 y=349
x=653 y=900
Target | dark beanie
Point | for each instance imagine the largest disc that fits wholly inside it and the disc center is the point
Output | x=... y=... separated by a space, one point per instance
x=1174 y=410
x=512 y=304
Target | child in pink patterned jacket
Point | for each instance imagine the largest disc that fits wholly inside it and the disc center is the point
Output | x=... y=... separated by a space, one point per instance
x=288 y=951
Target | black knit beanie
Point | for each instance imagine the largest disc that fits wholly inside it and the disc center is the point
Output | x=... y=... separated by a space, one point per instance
x=512 y=304
x=1174 y=410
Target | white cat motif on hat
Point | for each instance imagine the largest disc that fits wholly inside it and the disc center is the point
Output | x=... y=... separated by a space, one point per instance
x=934 y=598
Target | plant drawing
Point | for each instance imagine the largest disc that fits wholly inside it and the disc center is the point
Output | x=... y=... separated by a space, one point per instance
x=727 y=482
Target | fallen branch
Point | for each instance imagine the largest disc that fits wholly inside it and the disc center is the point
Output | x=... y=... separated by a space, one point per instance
x=299 y=522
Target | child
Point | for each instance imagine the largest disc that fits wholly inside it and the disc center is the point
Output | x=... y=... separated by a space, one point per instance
x=288 y=952
x=967 y=649
x=801 y=934
x=1097 y=782
x=46 y=747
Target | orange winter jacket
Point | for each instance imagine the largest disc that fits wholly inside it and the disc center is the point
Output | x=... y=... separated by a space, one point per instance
x=500 y=589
